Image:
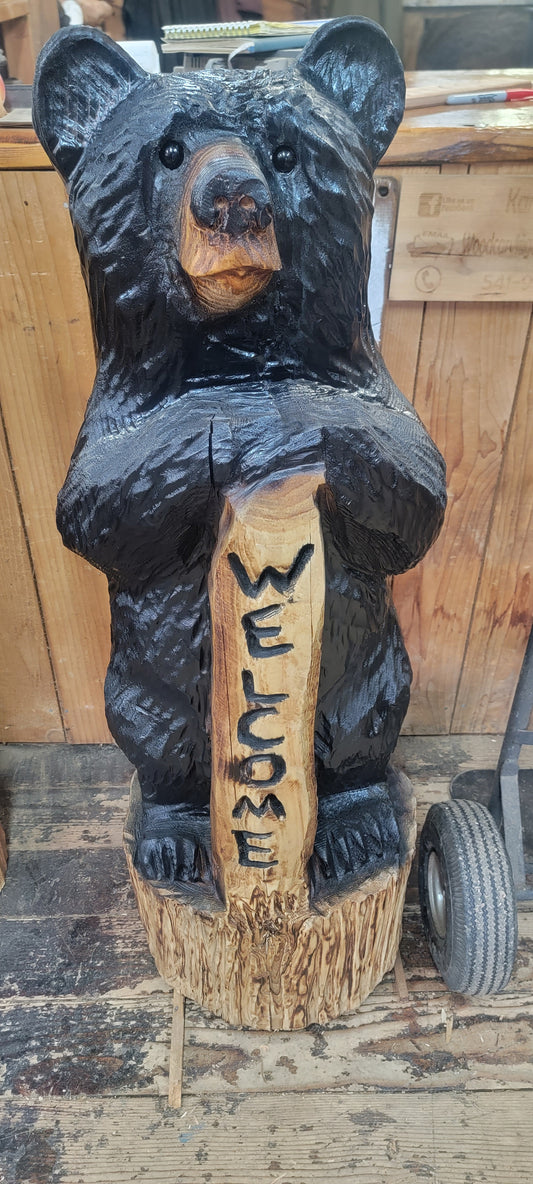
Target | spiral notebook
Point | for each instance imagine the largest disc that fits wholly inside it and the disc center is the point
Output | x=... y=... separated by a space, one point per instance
x=224 y=36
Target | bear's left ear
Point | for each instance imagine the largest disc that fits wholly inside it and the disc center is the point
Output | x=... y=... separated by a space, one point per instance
x=81 y=74
x=354 y=64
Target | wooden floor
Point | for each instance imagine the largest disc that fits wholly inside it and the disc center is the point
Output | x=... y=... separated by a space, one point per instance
x=419 y=1085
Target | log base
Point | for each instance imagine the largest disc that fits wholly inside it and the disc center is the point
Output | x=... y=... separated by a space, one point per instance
x=260 y=965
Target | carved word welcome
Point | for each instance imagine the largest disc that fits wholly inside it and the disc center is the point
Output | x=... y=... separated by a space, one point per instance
x=267 y=600
x=273 y=766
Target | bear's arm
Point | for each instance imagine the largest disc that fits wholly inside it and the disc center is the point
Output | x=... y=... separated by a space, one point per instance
x=385 y=494
x=136 y=499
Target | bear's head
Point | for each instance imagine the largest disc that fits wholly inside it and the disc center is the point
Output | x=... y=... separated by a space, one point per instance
x=223 y=219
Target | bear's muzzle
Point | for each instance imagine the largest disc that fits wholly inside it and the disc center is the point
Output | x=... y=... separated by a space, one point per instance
x=228 y=245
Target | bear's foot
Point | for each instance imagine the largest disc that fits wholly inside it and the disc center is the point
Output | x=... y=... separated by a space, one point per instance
x=173 y=843
x=357 y=836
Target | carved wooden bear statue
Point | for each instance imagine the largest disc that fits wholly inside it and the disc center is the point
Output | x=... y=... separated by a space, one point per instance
x=223 y=224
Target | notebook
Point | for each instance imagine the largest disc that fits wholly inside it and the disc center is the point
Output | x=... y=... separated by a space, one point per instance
x=239 y=29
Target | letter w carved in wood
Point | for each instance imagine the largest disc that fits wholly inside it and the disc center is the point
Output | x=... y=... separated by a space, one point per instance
x=282 y=581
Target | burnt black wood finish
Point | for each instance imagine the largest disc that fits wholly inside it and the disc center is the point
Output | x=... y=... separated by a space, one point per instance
x=223 y=224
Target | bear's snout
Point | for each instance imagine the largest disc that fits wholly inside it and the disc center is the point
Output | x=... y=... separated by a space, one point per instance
x=231 y=199
x=228 y=244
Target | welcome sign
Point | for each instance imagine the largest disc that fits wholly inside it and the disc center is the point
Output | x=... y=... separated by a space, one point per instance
x=267 y=608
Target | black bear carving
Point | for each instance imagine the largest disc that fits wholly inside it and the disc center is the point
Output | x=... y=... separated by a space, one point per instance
x=223 y=224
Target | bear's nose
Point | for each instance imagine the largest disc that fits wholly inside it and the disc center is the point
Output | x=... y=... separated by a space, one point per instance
x=231 y=200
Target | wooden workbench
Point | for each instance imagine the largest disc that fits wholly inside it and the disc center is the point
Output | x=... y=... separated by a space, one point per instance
x=466 y=611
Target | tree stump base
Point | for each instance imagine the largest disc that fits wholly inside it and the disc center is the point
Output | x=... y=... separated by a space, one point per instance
x=262 y=964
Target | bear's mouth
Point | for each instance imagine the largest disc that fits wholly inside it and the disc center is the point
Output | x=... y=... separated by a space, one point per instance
x=226 y=274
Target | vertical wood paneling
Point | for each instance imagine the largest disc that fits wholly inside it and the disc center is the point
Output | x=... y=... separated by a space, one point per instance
x=47 y=371
x=469 y=366
x=468 y=370
x=504 y=605
x=25 y=670
x=503 y=608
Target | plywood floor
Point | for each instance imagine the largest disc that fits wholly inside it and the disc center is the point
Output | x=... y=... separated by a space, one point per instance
x=419 y=1085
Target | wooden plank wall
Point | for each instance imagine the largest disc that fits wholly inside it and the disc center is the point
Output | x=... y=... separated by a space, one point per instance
x=465 y=611
x=47 y=369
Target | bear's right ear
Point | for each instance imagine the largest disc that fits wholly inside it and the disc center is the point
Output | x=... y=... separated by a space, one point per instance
x=352 y=62
x=81 y=74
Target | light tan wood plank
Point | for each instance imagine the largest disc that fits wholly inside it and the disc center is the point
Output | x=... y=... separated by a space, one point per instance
x=503 y=611
x=462 y=134
x=455 y=1138
x=277 y=526
x=459 y=134
x=402 y=321
x=21 y=150
x=468 y=371
x=11 y=9
x=48 y=366
x=175 y=1068
x=464 y=240
x=28 y=702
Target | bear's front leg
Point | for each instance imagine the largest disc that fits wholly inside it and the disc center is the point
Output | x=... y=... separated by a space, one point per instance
x=362 y=699
x=157 y=705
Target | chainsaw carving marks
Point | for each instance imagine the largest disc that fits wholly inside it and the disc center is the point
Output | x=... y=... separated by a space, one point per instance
x=267 y=605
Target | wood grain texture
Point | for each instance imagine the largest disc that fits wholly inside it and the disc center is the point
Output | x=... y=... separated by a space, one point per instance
x=48 y=366
x=463 y=240
x=469 y=365
x=403 y=321
x=175 y=1068
x=421 y=139
x=123 y=1045
x=437 y=1087
x=347 y=1136
x=259 y=965
x=3 y=857
x=21 y=150
x=25 y=672
x=503 y=609
x=271 y=526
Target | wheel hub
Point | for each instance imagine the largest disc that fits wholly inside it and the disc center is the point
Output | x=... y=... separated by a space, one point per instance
x=436 y=894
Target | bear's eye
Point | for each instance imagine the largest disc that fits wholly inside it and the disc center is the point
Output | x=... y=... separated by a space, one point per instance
x=284 y=158
x=171 y=154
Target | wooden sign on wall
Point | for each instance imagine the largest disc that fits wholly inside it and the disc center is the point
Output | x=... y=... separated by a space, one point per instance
x=464 y=238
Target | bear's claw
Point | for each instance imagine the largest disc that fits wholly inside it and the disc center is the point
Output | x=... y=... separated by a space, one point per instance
x=357 y=836
x=174 y=844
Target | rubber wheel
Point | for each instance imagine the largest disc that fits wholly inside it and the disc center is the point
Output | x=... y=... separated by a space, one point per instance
x=467 y=898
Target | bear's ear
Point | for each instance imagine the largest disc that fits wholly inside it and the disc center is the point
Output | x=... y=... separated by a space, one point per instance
x=81 y=74
x=354 y=64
